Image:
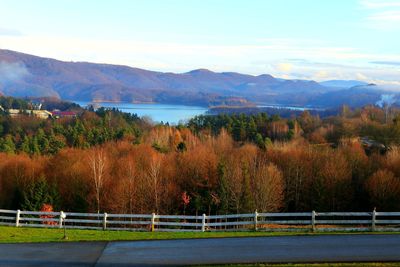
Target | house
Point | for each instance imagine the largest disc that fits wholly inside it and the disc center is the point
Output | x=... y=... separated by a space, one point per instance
x=36 y=105
x=14 y=112
x=63 y=114
x=41 y=114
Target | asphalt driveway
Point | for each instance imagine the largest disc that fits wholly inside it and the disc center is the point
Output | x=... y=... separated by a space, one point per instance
x=316 y=248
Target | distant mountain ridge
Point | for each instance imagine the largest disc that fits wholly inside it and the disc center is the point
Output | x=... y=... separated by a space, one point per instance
x=343 y=83
x=27 y=75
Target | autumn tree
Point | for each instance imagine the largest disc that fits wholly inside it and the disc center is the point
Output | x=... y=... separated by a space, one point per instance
x=384 y=190
x=130 y=181
x=17 y=173
x=69 y=171
x=97 y=165
x=295 y=160
x=154 y=179
x=268 y=187
x=222 y=189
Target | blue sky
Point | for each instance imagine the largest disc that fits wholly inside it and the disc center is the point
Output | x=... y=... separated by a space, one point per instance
x=299 y=39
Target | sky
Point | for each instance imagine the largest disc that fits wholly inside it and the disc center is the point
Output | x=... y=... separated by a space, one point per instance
x=293 y=39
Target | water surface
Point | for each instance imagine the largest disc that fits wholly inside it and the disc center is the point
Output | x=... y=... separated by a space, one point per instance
x=170 y=113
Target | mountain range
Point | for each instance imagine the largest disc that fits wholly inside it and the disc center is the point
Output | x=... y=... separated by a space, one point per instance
x=24 y=75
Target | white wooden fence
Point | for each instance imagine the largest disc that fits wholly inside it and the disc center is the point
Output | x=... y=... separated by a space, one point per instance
x=295 y=221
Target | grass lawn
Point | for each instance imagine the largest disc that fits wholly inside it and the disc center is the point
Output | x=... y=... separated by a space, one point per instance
x=21 y=234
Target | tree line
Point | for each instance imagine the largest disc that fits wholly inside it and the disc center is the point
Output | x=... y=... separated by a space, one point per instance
x=35 y=136
x=109 y=161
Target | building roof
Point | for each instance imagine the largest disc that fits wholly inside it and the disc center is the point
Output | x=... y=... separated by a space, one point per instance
x=13 y=111
x=42 y=113
x=63 y=113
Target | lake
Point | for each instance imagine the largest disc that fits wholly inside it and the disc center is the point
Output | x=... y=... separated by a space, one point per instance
x=172 y=114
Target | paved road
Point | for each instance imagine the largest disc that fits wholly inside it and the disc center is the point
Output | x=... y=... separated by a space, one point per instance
x=51 y=254
x=324 y=248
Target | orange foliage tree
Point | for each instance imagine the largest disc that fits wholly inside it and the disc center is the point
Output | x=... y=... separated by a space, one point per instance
x=47 y=208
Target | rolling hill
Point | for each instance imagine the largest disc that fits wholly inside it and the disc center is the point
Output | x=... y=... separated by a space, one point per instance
x=23 y=75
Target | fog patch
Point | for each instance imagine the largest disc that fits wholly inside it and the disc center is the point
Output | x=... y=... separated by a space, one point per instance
x=386 y=100
x=12 y=72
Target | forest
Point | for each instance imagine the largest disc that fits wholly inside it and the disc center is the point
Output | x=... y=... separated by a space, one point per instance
x=109 y=161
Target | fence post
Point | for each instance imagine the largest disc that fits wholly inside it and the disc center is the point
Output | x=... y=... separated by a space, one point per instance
x=373 y=227
x=313 y=214
x=255 y=220
x=105 y=221
x=17 y=218
x=61 y=219
x=153 y=218
x=203 y=223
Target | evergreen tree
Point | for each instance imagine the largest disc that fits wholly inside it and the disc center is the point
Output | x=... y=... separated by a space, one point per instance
x=25 y=146
x=222 y=189
x=239 y=130
x=247 y=200
x=34 y=146
x=260 y=141
x=252 y=130
x=267 y=142
x=43 y=142
x=7 y=145
x=38 y=193
x=55 y=143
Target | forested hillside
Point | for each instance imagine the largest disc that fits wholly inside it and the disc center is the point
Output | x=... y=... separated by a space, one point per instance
x=214 y=164
x=24 y=75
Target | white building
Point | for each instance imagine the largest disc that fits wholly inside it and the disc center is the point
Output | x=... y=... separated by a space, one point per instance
x=42 y=114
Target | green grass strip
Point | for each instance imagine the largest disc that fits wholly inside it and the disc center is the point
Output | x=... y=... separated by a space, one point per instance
x=21 y=234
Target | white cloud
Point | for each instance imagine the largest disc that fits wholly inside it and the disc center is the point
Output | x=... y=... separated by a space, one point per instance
x=386 y=76
x=362 y=77
x=386 y=16
x=383 y=15
x=274 y=56
x=389 y=63
x=379 y=4
x=284 y=67
x=9 y=32
x=321 y=75
x=385 y=20
x=179 y=56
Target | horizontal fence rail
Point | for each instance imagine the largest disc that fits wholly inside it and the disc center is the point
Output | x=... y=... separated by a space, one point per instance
x=291 y=221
